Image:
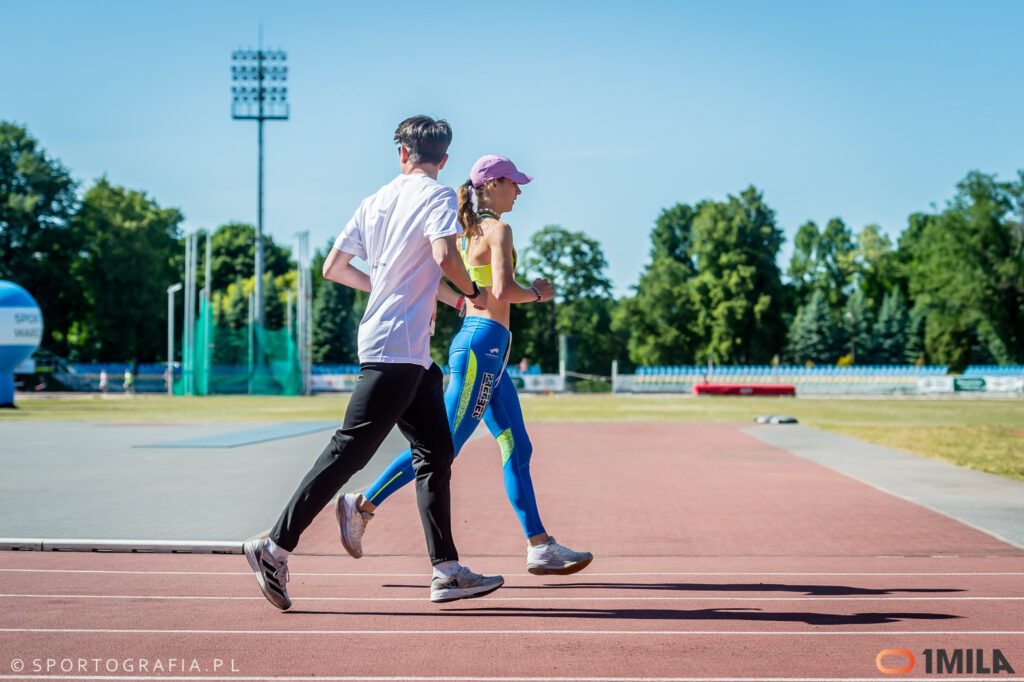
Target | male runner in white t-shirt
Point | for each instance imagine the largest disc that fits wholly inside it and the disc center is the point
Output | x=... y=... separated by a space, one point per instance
x=406 y=233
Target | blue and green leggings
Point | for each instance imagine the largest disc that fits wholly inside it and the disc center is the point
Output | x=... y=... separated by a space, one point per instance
x=480 y=388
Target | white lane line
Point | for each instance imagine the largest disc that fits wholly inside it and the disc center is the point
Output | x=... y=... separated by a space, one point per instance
x=363 y=678
x=617 y=633
x=519 y=599
x=516 y=575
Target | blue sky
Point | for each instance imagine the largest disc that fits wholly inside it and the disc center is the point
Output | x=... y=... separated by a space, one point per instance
x=864 y=110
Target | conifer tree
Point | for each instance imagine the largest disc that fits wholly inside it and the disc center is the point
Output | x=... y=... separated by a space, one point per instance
x=813 y=335
x=890 y=331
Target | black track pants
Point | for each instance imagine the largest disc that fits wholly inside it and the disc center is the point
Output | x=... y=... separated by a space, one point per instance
x=385 y=395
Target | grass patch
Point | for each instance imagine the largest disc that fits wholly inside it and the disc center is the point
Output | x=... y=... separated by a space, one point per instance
x=987 y=435
x=164 y=409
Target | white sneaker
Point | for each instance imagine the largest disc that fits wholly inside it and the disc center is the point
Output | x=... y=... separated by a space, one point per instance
x=554 y=559
x=463 y=585
x=352 y=523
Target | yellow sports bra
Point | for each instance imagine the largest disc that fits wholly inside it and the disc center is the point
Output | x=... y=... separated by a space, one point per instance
x=481 y=274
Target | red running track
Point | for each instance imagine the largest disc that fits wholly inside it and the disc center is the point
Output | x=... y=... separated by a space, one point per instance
x=717 y=557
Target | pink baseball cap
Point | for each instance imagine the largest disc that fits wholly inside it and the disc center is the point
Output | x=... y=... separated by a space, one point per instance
x=491 y=167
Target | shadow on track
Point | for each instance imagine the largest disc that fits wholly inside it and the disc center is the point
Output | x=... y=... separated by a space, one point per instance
x=811 y=590
x=741 y=614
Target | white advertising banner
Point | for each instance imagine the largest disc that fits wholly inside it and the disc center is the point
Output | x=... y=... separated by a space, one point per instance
x=333 y=382
x=531 y=383
x=1004 y=384
x=935 y=384
x=539 y=383
x=989 y=384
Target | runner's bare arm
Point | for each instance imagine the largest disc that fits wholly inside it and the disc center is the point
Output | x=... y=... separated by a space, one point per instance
x=505 y=288
x=445 y=294
x=447 y=256
x=338 y=268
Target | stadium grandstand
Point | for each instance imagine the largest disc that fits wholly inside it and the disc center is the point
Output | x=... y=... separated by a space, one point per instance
x=850 y=380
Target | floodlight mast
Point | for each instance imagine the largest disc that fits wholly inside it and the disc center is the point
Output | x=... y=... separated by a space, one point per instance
x=252 y=100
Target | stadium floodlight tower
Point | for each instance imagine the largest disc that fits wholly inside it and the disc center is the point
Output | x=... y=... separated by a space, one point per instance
x=258 y=93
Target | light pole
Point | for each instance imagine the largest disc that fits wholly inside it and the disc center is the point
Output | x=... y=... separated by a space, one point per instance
x=171 y=290
x=252 y=100
x=304 y=311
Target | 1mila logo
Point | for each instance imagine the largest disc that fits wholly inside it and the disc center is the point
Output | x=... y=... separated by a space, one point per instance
x=945 y=661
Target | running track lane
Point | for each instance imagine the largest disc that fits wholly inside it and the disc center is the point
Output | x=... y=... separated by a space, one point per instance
x=717 y=557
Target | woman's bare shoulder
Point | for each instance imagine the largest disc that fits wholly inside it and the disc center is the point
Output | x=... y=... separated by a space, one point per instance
x=497 y=231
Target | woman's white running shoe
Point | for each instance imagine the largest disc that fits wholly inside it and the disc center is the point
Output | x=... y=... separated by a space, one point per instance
x=554 y=559
x=351 y=523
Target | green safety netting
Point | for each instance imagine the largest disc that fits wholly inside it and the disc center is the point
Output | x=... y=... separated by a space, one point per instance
x=250 y=359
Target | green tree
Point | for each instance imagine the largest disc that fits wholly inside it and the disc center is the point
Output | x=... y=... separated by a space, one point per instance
x=231 y=320
x=802 y=265
x=837 y=262
x=125 y=268
x=659 y=320
x=738 y=291
x=335 y=324
x=231 y=306
x=824 y=261
x=1004 y=254
x=317 y=266
x=890 y=331
x=574 y=264
x=672 y=235
x=275 y=299
x=598 y=343
x=914 y=351
x=966 y=266
x=38 y=246
x=234 y=255
x=878 y=268
x=657 y=324
x=814 y=336
x=857 y=326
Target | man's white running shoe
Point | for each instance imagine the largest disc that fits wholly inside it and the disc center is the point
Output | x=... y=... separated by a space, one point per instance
x=463 y=585
x=554 y=559
x=271 y=574
x=352 y=523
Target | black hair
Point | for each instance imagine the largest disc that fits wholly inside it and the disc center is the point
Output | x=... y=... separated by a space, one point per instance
x=426 y=139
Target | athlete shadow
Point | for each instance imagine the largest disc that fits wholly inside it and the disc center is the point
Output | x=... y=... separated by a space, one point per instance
x=700 y=615
x=722 y=614
x=810 y=590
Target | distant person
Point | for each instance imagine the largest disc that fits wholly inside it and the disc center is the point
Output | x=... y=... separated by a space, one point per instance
x=480 y=387
x=524 y=366
x=129 y=381
x=104 y=381
x=406 y=232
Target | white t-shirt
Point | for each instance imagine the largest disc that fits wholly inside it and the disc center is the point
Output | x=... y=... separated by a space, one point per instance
x=392 y=231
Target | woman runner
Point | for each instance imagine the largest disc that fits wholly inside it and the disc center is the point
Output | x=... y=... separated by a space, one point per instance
x=480 y=387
